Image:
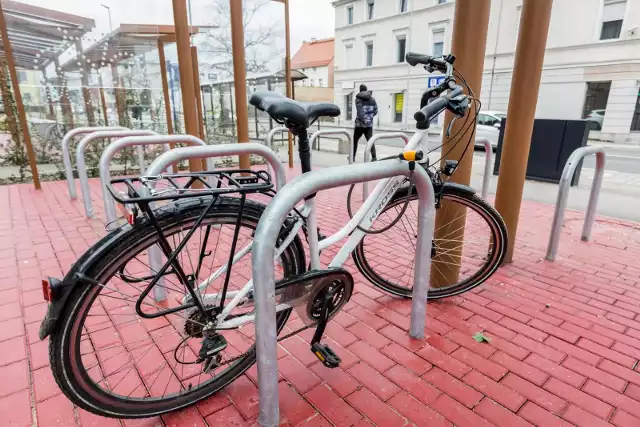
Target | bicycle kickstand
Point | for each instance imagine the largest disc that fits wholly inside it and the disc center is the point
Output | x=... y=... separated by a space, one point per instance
x=322 y=351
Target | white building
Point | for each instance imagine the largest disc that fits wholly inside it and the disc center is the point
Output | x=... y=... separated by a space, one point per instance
x=592 y=60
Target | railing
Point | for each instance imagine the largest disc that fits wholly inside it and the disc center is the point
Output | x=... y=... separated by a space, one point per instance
x=264 y=252
x=563 y=193
x=82 y=168
x=320 y=133
x=66 y=158
x=367 y=153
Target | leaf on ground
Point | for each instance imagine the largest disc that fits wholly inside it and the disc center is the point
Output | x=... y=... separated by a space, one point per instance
x=480 y=337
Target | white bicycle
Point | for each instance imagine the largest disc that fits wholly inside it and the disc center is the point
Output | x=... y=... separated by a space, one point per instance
x=117 y=352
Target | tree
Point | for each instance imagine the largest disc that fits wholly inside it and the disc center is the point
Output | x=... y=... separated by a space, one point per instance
x=260 y=36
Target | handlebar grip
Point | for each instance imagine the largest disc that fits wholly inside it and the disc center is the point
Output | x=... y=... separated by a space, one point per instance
x=431 y=109
x=414 y=59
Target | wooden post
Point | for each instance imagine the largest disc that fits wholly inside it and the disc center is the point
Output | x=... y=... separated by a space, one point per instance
x=529 y=56
x=22 y=117
x=86 y=92
x=103 y=100
x=189 y=108
x=117 y=89
x=165 y=88
x=287 y=70
x=240 y=76
x=198 y=89
x=47 y=91
x=65 y=104
x=469 y=39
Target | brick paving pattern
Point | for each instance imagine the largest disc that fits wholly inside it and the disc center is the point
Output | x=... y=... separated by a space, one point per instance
x=564 y=349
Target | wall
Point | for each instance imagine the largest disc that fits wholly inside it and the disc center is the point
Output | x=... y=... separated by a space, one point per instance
x=315 y=94
x=315 y=74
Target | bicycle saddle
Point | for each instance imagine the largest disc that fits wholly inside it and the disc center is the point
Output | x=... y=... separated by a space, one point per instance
x=285 y=109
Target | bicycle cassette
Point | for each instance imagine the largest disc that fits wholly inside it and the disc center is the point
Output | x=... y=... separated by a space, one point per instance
x=305 y=292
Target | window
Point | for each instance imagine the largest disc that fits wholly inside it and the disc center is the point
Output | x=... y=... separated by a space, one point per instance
x=487 y=120
x=350 y=15
x=22 y=76
x=612 y=16
x=595 y=102
x=398 y=100
x=370 y=9
x=348 y=53
x=441 y=1
x=438 y=42
x=404 y=5
x=320 y=83
x=369 y=53
x=348 y=106
x=311 y=83
x=401 y=48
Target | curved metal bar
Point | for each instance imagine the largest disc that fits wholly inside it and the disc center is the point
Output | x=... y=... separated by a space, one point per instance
x=139 y=141
x=264 y=252
x=318 y=133
x=209 y=151
x=563 y=193
x=82 y=168
x=66 y=158
x=486 y=179
x=367 y=153
x=268 y=141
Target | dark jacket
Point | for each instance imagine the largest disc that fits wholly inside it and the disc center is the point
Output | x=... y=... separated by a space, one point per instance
x=366 y=109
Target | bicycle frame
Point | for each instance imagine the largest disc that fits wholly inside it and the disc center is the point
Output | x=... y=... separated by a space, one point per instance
x=364 y=218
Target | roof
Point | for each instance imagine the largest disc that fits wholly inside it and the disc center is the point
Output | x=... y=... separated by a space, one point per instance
x=316 y=53
x=38 y=34
x=260 y=78
x=125 y=42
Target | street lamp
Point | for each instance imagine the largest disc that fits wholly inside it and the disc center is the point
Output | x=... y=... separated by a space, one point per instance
x=109 y=12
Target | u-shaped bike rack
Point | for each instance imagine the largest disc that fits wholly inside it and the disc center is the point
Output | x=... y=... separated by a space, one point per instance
x=264 y=252
x=82 y=168
x=367 y=153
x=319 y=133
x=139 y=141
x=563 y=192
x=66 y=157
x=268 y=141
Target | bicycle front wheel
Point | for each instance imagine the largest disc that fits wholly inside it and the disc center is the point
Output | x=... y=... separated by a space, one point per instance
x=110 y=360
x=466 y=250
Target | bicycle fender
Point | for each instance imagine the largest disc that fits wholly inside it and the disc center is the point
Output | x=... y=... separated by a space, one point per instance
x=454 y=186
x=56 y=306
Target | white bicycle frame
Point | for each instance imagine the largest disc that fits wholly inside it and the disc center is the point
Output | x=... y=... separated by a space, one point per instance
x=364 y=218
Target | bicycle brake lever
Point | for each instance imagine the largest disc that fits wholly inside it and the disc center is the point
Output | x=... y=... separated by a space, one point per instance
x=450 y=126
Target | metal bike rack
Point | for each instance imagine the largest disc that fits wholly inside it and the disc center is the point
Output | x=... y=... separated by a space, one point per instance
x=82 y=168
x=486 y=179
x=264 y=252
x=268 y=141
x=319 y=133
x=563 y=193
x=66 y=158
x=367 y=153
x=139 y=141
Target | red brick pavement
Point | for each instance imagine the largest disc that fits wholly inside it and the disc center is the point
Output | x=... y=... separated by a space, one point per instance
x=564 y=351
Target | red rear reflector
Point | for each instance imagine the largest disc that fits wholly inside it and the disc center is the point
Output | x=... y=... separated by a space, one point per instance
x=46 y=290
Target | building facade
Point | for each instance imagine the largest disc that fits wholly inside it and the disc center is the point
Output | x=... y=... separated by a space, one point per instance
x=315 y=60
x=591 y=67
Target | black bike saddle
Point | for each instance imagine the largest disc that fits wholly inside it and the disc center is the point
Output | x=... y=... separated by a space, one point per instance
x=284 y=109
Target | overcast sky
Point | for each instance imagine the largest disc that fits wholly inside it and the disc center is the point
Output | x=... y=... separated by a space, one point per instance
x=309 y=18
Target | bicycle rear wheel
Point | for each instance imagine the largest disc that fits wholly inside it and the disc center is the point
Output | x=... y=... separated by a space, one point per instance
x=477 y=256
x=111 y=361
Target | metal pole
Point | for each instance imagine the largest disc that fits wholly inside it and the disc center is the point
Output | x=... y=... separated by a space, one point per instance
x=287 y=70
x=15 y=85
x=165 y=87
x=367 y=153
x=66 y=157
x=187 y=84
x=269 y=89
x=255 y=116
x=563 y=194
x=486 y=179
x=318 y=133
x=529 y=56
x=264 y=249
x=82 y=168
x=129 y=141
x=470 y=26
x=240 y=76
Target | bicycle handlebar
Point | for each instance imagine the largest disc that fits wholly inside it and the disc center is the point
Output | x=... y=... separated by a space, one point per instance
x=439 y=63
x=434 y=108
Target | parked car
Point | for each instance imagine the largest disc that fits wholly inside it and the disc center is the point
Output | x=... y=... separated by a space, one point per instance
x=595 y=119
x=488 y=127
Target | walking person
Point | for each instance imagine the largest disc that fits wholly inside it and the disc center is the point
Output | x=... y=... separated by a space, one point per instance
x=366 y=110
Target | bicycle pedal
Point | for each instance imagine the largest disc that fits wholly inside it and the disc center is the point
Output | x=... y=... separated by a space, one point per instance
x=325 y=355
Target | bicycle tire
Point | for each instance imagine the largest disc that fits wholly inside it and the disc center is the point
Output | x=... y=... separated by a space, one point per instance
x=499 y=236
x=64 y=346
